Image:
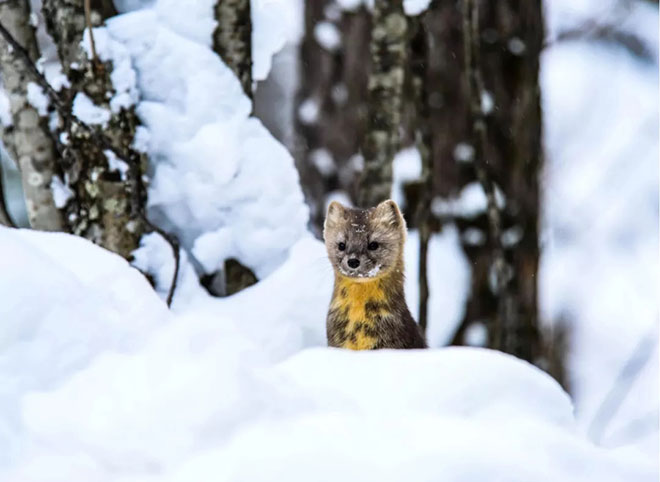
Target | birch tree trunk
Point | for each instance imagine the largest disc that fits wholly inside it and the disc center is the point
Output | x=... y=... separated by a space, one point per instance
x=107 y=204
x=28 y=139
x=232 y=39
x=388 y=47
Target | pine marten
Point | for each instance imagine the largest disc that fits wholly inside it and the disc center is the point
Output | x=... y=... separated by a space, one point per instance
x=368 y=310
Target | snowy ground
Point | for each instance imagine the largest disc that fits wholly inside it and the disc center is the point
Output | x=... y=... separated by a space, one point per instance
x=599 y=269
x=100 y=382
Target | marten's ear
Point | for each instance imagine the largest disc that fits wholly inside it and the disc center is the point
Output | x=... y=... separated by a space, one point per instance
x=336 y=212
x=388 y=213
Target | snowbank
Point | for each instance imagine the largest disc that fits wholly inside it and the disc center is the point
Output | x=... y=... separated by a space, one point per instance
x=599 y=265
x=100 y=382
x=219 y=180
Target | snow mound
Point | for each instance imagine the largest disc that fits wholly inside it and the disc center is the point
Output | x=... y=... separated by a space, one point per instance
x=219 y=180
x=101 y=382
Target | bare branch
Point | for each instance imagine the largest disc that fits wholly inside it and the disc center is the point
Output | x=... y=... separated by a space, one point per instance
x=174 y=244
x=622 y=385
x=88 y=20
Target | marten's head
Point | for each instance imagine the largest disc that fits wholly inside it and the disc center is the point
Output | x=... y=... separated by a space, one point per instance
x=364 y=243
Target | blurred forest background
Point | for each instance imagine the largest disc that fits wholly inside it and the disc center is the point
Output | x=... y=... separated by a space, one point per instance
x=519 y=137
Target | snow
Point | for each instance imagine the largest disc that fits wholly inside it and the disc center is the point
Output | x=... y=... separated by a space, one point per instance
x=323 y=161
x=449 y=283
x=464 y=152
x=410 y=7
x=61 y=192
x=327 y=35
x=88 y=112
x=99 y=381
x=5 y=109
x=516 y=46
x=415 y=7
x=353 y=5
x=308 y=111
x=274 y=23
x=469 y=203
x=637 y=18
x=218 y=172
x=406 y=167
x=122 y=76
x=599 y=268
x=487 y=102
x=37 y=98
x=113 y=386
x=116 y=164
x=341 y=197
x=54 y=75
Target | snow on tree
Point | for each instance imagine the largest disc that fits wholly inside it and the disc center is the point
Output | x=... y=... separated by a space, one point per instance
x=26 y=134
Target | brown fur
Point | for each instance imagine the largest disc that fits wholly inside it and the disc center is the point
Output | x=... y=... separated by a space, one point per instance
x=368 y=308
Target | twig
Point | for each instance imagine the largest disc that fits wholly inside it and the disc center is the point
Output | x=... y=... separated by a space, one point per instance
x=88 y=20
x=39 y=77
x=130 y=155
x=622 y=385
x=174 y=244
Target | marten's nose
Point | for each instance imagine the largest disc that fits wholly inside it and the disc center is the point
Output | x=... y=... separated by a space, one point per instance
x=353 y=262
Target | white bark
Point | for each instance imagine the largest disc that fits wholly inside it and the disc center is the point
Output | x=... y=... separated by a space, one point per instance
x=27 y=139
x=106 y=207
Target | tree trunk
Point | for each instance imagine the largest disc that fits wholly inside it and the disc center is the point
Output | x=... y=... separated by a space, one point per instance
x=509 y=40
x=419 y=61
x=107 y=204
x=331 y=109
x=28 y=139
x=388 y=47
x=232 y=39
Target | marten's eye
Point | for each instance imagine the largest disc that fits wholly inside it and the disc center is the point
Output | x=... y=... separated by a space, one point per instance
x=341 y=246
x=372 y=246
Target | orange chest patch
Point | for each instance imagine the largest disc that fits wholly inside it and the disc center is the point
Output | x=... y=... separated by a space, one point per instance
x=362 y=304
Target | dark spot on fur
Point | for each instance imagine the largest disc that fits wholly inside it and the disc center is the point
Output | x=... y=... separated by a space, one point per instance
x=372 y=308
x=370 y=331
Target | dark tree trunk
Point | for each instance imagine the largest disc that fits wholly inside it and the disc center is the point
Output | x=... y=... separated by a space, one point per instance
x=509 y=40
x=232 y=39
x=419 y=79
x=334 y=87
x=388 y=47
